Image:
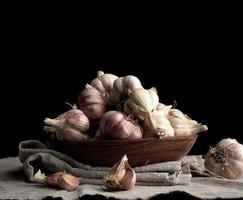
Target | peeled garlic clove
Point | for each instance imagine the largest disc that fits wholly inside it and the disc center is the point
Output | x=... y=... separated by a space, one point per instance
x=121 y=176
x=71 y=125
x=91 y=102
x=183 y=125
x=226 y=159
x=61 y=179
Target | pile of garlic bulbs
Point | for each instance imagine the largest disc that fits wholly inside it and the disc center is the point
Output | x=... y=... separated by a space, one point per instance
x=120 y=108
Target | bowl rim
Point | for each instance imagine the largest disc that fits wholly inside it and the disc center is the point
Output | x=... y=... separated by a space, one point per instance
x=109 y=141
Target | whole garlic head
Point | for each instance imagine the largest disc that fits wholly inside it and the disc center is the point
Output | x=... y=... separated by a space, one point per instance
x=142 y=102
x=123 y=86
x=70 y=126
x=104 y=83
x=183 y=125
x=91 y=102
x=121 y=176
x=226 y=159
x=117 y=125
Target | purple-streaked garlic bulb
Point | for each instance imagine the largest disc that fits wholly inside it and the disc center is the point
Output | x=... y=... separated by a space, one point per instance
x=184 y=125
x=91 y=102
x=69 y=126
x=116 y=125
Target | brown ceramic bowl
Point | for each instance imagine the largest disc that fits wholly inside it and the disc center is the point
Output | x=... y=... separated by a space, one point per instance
x=139 y=152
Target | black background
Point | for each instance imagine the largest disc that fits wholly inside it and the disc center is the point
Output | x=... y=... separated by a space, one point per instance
x=197 y=65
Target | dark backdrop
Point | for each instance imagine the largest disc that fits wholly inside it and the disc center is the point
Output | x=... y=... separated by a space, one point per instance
x=206 y=85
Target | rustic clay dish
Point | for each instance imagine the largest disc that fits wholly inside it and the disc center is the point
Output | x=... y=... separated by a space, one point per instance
x=139 y=152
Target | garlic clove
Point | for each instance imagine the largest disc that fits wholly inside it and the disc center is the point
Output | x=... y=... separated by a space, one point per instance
x=62 y=180
x=39 y=176
x=68 y=182
x=121 y=176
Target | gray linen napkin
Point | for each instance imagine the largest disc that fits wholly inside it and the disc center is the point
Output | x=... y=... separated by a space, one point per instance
x=35 y=155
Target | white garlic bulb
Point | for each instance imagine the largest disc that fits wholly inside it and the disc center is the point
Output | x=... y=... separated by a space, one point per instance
x=160 y=126
x=104 y=83
x=142 y=102
x=122 y=87
x=121 y=176
x=226 y=159
x=183 y=125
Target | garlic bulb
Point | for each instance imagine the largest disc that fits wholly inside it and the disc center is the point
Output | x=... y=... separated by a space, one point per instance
x=122 y=87
x=183 y=125
x=160 y=127
x=121 y=176
x=62 y=180
x=226 y=159
x=91 y=102
x=70 y=126
x=104 y=83
x=117 y=125
x=142 y=103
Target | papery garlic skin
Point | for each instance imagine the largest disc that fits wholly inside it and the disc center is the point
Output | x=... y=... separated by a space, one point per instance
x=91 y=102
x=121 y=176
x=69 y=126
x=183 y=125
x=104 y=83
x=116 y=125
x=122 y=87
x=226 y=159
